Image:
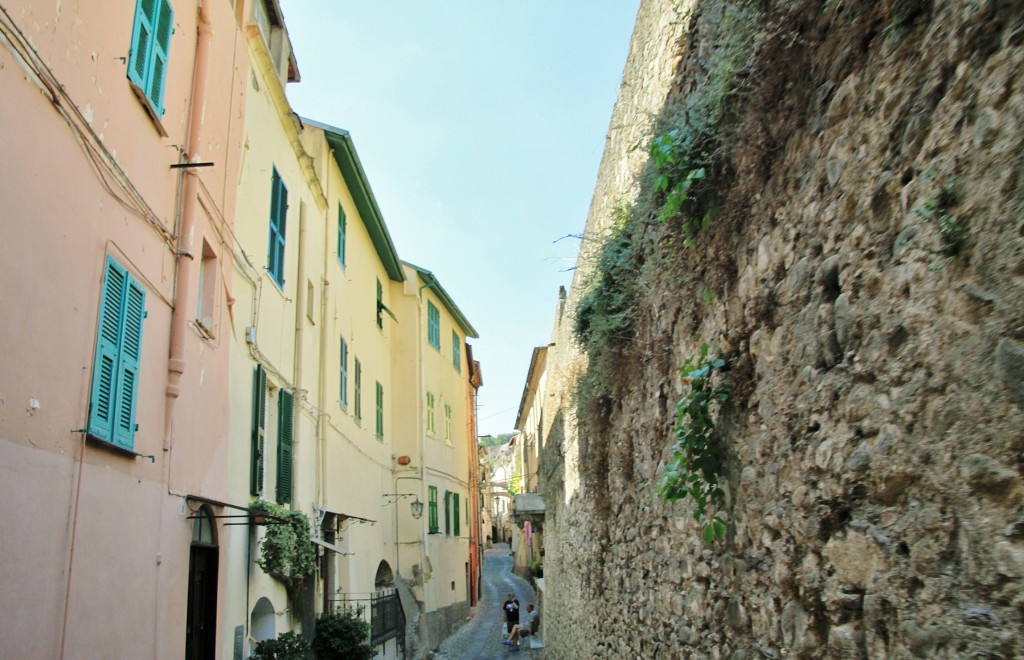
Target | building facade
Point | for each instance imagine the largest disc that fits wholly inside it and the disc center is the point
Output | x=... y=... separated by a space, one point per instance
x=121 y=150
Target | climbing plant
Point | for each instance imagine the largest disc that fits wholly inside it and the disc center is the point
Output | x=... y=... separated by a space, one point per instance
x=696 y=463
x=286 y=551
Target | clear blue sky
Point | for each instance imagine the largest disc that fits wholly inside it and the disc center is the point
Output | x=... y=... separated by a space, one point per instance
x=480 y=125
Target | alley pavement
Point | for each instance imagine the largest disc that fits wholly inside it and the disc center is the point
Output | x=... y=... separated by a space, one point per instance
x=480 y=638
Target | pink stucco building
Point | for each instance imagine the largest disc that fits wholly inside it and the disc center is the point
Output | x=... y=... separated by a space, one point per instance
x=120 y=153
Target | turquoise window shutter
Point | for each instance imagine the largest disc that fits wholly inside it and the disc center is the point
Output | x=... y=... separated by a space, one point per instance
x=115 y=381
x=150 y=47
x=259 y=410
x=163 y=27
x=456 y=352
x=284 y=448
x=433 y=325
x=128 y=364
x=142 y=39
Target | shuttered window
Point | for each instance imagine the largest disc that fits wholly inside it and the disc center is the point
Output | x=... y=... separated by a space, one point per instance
x=343 y=376
x=380 y=411
x=284 y=447
x=456 y=352
x=433 y=325
x=455 y=514
x=151 y=43
x=430 y=413
x=448 y=423
x=432 y=509
x=341 y=236
x=447 y=512
x=357 y=394
x=278 y=227
x=259 y=416
x=115 y=377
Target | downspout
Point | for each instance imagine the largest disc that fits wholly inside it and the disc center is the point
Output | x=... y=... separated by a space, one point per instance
x=185 y=261
x=325 y=288
x=297 y=352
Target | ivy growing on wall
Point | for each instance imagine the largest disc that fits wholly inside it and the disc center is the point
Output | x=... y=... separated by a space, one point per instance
x=286 y=551
x=696 y=463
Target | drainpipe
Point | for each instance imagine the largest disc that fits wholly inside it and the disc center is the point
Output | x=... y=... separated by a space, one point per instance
x=185 y=262
x=297 y=376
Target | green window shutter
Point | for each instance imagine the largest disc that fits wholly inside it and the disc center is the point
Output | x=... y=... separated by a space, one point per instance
x=259 y=415
x=455 y=511
x=380 y=304
x=432 y=504
x=278 y=226
x=433 y=325
x=358 y=391
x=343 y=400
x=284 y=448
x=447 y=512
x=380 y=410
x=115 y=380
x=456 y=352
x=341 y=236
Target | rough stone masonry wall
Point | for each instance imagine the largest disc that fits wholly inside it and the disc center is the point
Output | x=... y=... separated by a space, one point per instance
x=876 y=440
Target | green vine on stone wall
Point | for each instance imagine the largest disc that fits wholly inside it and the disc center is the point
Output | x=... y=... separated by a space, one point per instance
x=696 y=463
x=286 y=551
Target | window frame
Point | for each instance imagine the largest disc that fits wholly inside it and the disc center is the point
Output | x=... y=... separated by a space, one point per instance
x=431 y=414
x=456 y=352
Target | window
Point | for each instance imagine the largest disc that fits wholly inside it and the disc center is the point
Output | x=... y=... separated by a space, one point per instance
x=357 y=393
x=456 y=352
x=430 y=413
x=284 y=447
x=447 y=512
x=380 y=411
x=343 y=396
x=278 y=219
x=432 y=509
x=207 y=293
x=115 y=372
x=147 y=59
x=259 y=414
x=433 y=325
x=448 y=423
x=341 y=236
x=455 y=514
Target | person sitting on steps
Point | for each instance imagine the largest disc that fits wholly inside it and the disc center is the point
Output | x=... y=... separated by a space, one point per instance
x=529 y=627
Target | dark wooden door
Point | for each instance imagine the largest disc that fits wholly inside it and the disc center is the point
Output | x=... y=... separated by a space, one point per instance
x=201 y=627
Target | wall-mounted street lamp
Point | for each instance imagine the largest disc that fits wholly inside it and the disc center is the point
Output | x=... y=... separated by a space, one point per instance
x=416 y=506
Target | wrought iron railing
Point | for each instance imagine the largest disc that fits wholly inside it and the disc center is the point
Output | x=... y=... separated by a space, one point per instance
x=381 y=609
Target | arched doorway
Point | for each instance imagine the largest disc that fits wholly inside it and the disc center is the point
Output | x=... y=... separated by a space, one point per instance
x=385 y=576
x=263 y=624
x=201 y=625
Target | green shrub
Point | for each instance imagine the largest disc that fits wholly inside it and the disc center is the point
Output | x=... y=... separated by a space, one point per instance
x=286 y=551
x=342 y=636
x=287 y=646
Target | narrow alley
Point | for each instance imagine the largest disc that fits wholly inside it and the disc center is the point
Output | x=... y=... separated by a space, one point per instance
x=481 y=637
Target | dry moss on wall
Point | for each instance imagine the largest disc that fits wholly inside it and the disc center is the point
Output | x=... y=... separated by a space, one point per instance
x=833 y=202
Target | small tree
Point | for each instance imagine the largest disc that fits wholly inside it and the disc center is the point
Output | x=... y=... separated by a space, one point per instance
x=342 y=636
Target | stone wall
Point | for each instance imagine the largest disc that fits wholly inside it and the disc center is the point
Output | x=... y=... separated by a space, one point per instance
x=875 y=442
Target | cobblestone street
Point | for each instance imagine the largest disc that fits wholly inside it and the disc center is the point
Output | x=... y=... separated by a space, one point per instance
x=480 y=639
